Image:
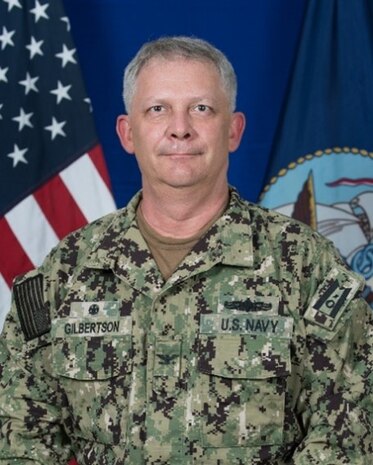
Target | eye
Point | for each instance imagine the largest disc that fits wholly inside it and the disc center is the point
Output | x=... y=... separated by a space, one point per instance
x=202 y=108
x=156 y=109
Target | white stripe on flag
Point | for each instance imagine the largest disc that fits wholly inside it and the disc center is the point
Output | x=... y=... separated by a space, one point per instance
x=88 y=188
x=4 y=301
x=32 y=229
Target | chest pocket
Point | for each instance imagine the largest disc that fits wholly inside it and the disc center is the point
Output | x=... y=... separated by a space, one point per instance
x=243 y=384
x=94 y=373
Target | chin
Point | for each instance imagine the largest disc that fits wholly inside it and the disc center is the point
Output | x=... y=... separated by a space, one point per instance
x=181 y=184
x=183 y=180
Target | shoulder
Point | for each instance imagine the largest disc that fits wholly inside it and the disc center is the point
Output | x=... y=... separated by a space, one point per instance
x=34 y=291
x=76 y=246
x=38 y=292
x=305 y=263
x=282 y=232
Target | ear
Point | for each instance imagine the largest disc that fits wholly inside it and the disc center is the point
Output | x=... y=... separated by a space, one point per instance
x=124 y=132
x=237 y=127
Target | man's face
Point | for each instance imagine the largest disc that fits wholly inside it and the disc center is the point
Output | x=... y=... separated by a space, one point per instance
x=180 y=126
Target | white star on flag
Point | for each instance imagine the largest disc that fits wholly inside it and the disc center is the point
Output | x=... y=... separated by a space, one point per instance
x=23 y=120
x=3 y=72
x=17 y=155
x=29 y=83
x=12 y=3
x=61 y=92
x=39 y=11
x=66 y=55
x=89 y=103
x=35 y=47
x=1 y=106
x=66 y=20
x=56 y=128
x=6 y=38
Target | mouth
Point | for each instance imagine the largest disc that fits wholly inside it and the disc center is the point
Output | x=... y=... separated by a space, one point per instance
x=182 y=154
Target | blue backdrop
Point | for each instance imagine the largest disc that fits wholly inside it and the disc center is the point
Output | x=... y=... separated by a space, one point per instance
x=259 y=37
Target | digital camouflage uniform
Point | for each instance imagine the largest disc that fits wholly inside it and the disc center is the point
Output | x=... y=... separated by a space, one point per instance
x=257 y=350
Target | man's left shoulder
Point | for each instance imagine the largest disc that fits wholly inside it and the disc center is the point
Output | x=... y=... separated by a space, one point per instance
x=280 y=228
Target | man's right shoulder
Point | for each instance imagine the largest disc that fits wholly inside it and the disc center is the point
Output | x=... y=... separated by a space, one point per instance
x=41 y=290
x=72 y=251
x=74 y=247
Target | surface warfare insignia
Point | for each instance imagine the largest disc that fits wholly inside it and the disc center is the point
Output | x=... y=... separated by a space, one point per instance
x=248 y=306
x=332 y=297
x=258 y=304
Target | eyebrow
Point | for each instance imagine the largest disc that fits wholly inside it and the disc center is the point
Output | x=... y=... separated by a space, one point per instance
x=154 y=100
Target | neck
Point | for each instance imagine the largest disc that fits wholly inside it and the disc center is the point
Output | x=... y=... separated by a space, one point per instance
x=181 y=212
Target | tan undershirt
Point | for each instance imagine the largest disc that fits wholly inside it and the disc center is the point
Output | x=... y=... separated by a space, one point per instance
x=169 y=252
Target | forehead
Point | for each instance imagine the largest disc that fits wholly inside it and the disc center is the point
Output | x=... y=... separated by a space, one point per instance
x=165 y=72
x=175 y=60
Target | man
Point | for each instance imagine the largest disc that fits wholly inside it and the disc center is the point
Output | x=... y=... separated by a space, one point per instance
x=191 y=327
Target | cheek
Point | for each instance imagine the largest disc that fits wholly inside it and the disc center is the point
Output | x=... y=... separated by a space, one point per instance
x=147 y=138
x=219 y=137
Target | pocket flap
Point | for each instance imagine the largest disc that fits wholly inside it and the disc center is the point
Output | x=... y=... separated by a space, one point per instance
x=244 y=356
x=88 y=355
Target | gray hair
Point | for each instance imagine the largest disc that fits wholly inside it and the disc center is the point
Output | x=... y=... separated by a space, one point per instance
x=189 y=48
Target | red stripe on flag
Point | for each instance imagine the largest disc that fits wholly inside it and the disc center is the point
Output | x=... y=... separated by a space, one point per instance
x=98 y=160
x=14 y=260
x=351 y=182
x=59 y=207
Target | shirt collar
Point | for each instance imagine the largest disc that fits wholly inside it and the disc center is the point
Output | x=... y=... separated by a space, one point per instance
x=121 y=247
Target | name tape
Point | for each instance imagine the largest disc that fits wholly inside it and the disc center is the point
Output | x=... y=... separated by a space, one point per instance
x=74 y=327
x=222 y=323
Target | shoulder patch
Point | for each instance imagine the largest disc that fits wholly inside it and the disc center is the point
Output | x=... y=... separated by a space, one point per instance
x=33 y=314
x=332 y=298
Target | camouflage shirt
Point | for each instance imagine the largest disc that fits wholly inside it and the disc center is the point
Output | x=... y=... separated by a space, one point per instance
x=257 y=350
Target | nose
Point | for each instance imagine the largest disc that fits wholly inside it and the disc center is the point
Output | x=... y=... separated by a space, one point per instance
x=180 y=126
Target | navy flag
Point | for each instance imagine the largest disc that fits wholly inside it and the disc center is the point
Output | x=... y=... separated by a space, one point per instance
x=53 y=177
x=321 y=169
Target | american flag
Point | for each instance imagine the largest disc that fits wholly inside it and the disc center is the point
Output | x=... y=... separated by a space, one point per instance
x=53 y=177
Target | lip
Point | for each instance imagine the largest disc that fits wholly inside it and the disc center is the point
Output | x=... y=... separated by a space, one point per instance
x=181 y=154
